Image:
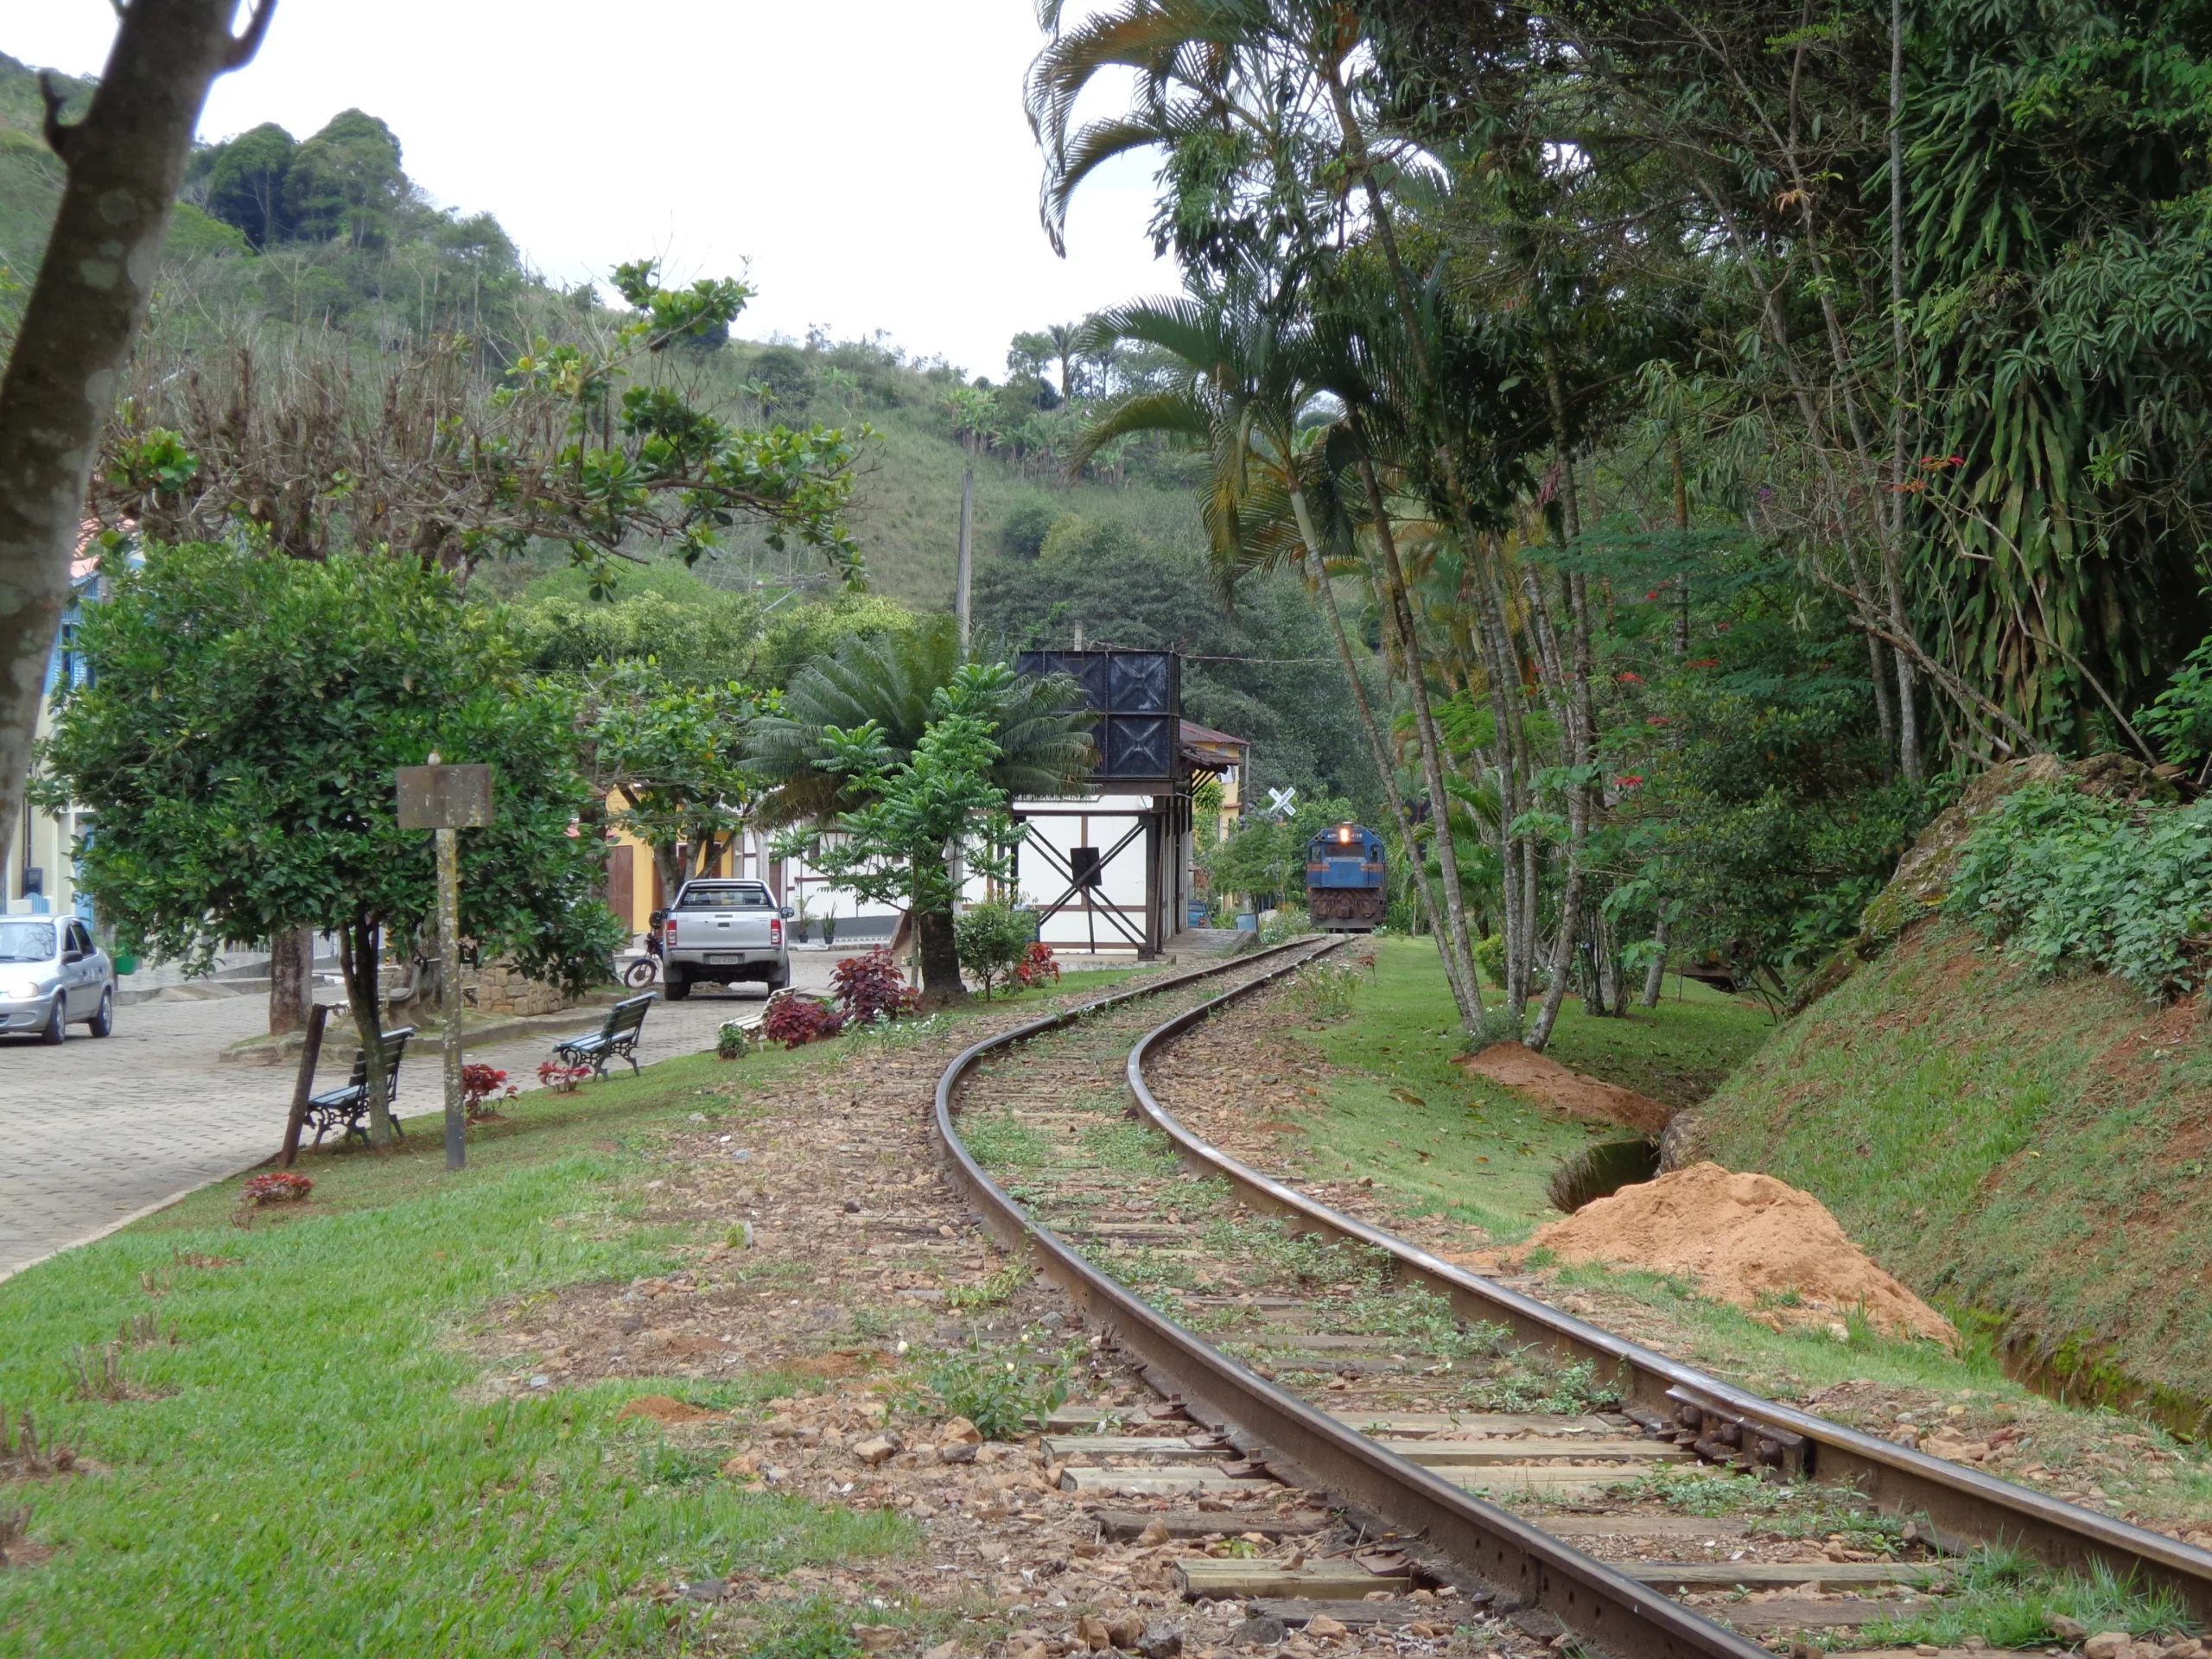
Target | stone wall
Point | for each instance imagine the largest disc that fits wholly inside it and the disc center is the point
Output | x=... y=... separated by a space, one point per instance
x=499 y=987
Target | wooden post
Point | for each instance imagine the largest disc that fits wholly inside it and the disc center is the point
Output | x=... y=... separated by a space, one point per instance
x=446 y=800
x=449 y=842
x=310 y=1052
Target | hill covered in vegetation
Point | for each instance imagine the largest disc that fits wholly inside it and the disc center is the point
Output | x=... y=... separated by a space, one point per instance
x=316 y=259
x=2008 y=1100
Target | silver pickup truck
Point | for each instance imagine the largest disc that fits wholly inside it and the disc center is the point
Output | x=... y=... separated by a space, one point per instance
x=724 y=932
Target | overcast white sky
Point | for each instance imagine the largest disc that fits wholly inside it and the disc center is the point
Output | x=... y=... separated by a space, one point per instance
x=869 y=157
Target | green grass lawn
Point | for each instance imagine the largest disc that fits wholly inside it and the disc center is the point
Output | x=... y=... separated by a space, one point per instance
x=309 y=1468
x=1459 y=1146
x=1679 y=1052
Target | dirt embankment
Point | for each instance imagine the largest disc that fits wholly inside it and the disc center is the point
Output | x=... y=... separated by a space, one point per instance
x=1564 y=1089
x=1748 y=1240
x=2036 y=1147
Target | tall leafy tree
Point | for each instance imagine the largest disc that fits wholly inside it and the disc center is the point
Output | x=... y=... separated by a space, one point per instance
x=246 y=186
x=345 y=181
x=673 y=757
x=237 y=742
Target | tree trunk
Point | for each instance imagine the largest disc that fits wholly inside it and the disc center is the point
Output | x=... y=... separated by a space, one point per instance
x=941 y=980
x=1465 y=995
x=1682 y=523
x=291 y=979
x=357 y=958
x=1582 y=733
x=1908 y=749
x=124 y=162
x=1570 y=915
x=1432 y=744
x=1654 y=977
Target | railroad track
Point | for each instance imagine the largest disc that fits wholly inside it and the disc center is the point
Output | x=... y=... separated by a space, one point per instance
x=1421 y=1398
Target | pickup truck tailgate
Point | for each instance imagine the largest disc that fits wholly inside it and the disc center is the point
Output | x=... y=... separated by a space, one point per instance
x=709 y=934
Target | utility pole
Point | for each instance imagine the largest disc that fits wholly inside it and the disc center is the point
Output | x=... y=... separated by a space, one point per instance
x=446 y=800
x=964 y=579
x=963 y=582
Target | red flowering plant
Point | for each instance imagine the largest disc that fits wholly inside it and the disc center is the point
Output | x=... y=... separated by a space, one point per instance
x=478 y=1083
x=1036 y=966
x=873 y=988
x=561 y=1078
x=795 y=1019
x=278 y=1186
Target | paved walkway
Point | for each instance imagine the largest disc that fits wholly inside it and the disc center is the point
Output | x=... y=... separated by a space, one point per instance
x=99 y=1128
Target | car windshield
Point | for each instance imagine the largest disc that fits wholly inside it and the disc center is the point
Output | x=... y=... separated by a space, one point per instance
x=749 y=895
x=26 y=941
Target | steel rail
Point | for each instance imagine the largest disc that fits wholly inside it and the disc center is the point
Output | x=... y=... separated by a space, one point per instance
x=1962 y=1503
x=1524 y=1567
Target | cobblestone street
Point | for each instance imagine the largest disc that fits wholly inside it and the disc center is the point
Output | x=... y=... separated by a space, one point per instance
x=97 y=1130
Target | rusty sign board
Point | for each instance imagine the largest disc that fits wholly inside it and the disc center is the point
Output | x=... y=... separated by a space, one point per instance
x=445 y=797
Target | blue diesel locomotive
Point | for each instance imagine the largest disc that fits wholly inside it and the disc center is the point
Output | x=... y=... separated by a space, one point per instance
x=1345 y=869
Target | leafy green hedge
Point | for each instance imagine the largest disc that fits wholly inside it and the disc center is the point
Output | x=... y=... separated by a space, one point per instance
x=2075 y=880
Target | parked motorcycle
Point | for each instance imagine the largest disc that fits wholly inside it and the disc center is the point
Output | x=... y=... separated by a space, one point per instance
x=646 y=969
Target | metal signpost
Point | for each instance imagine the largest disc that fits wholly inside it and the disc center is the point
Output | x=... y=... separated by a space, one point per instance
x=447 y=800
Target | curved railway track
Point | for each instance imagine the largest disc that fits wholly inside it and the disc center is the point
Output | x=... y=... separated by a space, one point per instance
x=1418 y=1473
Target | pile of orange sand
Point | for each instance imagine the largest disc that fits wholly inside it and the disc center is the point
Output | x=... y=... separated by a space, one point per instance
x=1749 y=1240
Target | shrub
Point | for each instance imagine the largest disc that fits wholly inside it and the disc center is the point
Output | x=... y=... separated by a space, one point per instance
x=733 y=1041
x=1037 y=966
x=2075 y=879
x=561 y=1079
x=992 y=940
x=795 y=1022
x=873 y=987
x=278 y=1186
x=478 y=1084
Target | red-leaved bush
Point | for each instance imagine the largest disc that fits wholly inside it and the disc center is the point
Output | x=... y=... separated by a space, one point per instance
x=278 y=1186
x=873 y=987
x=794 y=1021
x=1037 y=966
x=478 y=1084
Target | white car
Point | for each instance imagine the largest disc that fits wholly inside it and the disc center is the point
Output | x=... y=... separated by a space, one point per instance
x=52 y=973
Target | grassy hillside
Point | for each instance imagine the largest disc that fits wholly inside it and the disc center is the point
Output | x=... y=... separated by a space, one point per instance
x=2030 y=1148
x=907 y=511
x=31 y=176
x=410 y=269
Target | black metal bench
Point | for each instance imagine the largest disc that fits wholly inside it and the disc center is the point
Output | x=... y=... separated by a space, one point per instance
x=615 y=1040
x=347 y=1108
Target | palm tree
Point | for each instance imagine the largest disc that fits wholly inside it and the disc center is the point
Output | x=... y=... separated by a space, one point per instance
x=1244 y=392
x=1066 y=338
x=1042 y=730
